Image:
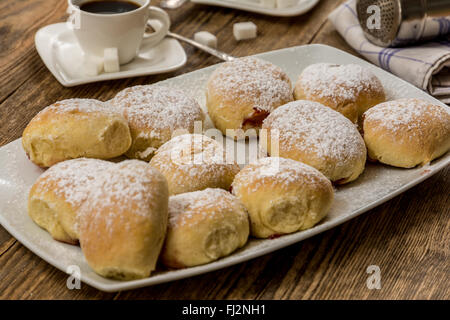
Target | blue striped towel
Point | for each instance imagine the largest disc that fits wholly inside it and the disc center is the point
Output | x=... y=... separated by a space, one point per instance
x=427 y=65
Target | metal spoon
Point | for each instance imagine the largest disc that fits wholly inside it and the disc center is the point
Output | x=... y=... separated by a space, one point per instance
x=219 y=54
x=172 y=4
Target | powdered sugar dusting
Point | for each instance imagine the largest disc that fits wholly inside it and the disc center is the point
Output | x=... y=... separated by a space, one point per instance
x=194 y=156
x=313 y=128
x=407 y=114
x=157 y=108
x=373 y=187
x=193 y=149
x=73 y=179
x=77 y=105
x=125 y=184
x=202 y=205
x=346 y=82
x=252 y=80
x=281 y=171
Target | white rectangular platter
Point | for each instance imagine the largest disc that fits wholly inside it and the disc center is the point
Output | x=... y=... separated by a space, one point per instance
x=378 y=184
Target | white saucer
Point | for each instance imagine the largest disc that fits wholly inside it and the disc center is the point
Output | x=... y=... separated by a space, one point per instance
x=301 y=7
x=58 y=48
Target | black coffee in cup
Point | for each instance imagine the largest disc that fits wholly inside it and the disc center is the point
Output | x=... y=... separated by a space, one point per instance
x=109 y=7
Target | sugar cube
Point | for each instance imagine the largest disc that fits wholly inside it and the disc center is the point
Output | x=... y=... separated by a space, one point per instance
x=244 y=30
x=92 y=66
x=286 y=3
x=111 y=60
x=206 y=38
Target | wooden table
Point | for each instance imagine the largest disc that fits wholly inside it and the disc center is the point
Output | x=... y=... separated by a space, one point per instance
x=408 y=237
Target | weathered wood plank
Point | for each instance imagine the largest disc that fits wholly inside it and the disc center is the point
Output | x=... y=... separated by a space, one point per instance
x=19 y=21
x=406 y=237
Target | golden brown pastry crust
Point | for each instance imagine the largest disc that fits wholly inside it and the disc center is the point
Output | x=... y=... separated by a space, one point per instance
x=75 y=128
x=348 y=89
x=240 y=94
x=122 y=223
x=57 y=195
x=203 y=227
x=407 y=132
x=282 y=196
x=155 y=114
x=194 y=162
x=318 y=136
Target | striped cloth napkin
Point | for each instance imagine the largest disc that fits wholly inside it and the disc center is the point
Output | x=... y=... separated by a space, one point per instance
x=427 y=65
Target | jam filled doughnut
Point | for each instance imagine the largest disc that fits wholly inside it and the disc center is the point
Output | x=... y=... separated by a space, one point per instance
x=241 y=93
x=154 y=114
x=75 y=128
x=407 y=132
x=320 y=137
x=348 y=89
x=203 y=227
x=282 y=196
x=194 y=162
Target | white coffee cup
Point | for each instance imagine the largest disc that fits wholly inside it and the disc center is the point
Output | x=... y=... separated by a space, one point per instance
x=125 y=31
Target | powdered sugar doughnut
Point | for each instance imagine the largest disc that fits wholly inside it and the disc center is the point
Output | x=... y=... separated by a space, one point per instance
x=203 y=226
x=348 y=89
x=194 y=162
x=407 y=132
x=56 y=197
x=320 y=137
x=154 y=113
x=240 y=94
x=75 y=128
x=282 y=196
x=122 y=222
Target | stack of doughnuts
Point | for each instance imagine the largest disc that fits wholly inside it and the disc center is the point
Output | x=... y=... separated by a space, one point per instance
x=188 y=203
